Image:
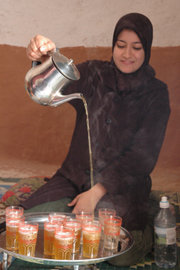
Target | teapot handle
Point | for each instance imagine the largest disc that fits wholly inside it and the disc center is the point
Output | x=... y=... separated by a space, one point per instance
x=36 y=63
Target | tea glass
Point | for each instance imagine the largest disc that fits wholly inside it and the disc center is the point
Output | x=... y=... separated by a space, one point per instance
x=91 y=231
x=63 y=243
x=14 y=212
x=49 y=232
x=84 y=216
x=112 y=227
x=27 y=238
x=57 y=217
x=12 y=225
x=104 y=213
x=75 y=225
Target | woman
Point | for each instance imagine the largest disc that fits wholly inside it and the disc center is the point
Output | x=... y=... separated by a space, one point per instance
x=128 y=114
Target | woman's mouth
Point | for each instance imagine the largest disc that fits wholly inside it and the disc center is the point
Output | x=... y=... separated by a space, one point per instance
x=127 y=62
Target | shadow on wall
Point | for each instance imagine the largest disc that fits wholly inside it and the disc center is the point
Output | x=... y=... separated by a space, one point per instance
x=29 y=131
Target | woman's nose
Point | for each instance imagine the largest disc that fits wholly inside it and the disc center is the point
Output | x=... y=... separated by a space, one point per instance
x=127 y=52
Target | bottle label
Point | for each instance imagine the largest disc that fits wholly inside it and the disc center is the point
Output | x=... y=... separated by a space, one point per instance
x=165 y=236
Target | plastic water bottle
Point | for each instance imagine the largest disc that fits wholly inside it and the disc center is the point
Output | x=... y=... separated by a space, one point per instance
x=165 y=236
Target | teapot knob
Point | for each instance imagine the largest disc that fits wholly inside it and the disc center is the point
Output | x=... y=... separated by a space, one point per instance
x=70 y=62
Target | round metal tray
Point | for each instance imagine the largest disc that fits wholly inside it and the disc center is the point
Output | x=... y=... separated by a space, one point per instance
x=125 y=243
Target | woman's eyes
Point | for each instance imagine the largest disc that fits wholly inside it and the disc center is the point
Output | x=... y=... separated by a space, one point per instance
x=137 y=48
x=120 y=46
x=124 y=46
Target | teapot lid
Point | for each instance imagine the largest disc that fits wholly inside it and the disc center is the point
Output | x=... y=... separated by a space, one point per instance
x=65 y=66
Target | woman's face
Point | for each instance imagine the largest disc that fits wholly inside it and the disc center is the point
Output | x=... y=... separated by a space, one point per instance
x=128 y=53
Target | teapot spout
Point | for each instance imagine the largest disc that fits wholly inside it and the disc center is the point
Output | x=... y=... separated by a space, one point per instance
x=60 y=99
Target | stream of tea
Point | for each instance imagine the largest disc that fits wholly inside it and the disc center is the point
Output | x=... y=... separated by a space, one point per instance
x=89 y=142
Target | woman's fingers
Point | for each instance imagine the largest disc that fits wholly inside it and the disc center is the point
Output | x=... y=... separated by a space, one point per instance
x=39 y=46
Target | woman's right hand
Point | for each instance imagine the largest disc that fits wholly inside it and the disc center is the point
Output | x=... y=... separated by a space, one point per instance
x=38 y=48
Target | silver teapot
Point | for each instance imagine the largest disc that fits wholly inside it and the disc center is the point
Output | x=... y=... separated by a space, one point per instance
x=46 y=82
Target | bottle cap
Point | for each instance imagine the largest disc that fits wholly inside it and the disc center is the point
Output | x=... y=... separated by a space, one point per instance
x=164 y=202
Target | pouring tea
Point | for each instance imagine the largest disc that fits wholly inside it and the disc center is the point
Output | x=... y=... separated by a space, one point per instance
x=45 y=82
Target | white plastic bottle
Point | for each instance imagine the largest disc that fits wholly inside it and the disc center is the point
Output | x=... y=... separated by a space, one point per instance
x=165 y=252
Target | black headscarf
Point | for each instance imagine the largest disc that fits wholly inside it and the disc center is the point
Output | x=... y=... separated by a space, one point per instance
x=141 y=25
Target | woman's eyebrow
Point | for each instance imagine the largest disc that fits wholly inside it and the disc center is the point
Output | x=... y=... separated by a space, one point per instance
x=135 y=42
x=121 y=40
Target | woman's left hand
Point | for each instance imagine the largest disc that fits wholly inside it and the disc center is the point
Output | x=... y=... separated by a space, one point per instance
x=87 y=200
